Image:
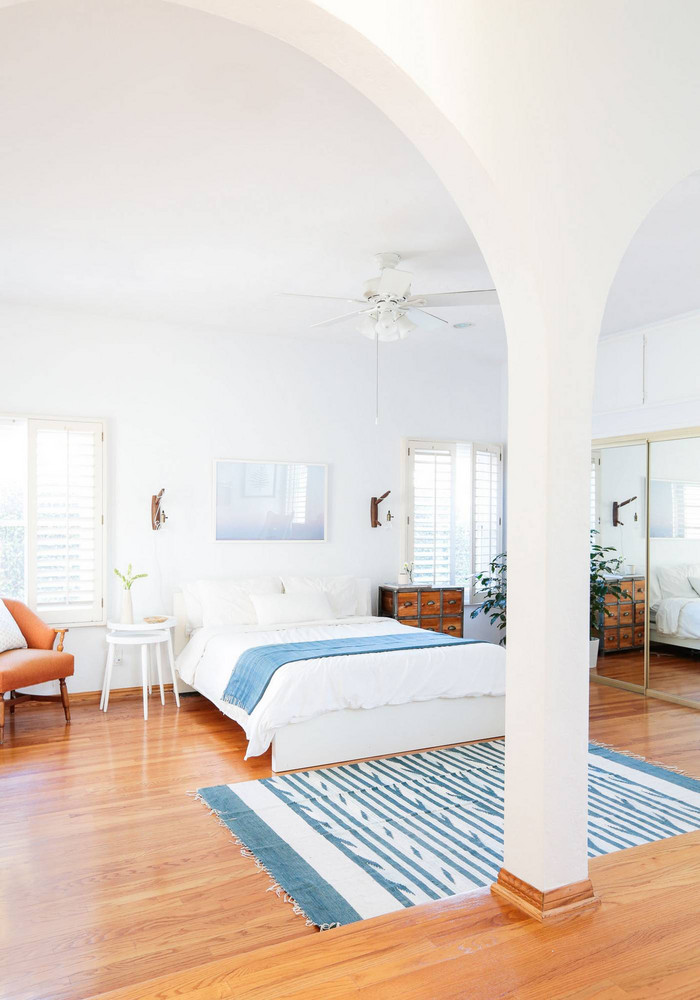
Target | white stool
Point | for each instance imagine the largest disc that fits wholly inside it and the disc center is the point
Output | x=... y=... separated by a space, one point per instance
x=152 y=637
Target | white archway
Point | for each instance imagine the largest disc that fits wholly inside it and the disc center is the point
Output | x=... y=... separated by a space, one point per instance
x=553 y=190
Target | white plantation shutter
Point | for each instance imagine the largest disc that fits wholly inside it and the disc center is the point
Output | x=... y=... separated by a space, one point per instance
x=432 y=511
x=65 y=573
x=454 y=510
x=486 y=505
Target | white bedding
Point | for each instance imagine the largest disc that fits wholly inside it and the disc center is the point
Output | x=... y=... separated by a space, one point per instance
x=679 y=616
x=302 y=690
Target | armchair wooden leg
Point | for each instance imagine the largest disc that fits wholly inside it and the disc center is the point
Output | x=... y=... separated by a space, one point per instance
x=64 y=699
x=12 y=702
x=2 y=718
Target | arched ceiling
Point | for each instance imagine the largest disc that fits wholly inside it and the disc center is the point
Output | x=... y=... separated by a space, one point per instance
x=171 y=165
x=659 y=276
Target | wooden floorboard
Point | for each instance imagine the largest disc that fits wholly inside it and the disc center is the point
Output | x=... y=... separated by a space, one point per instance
x=676 y=674
x=114 y=882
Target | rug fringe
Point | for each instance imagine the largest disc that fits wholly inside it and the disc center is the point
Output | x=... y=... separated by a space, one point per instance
x=274 y=886
x=638 y=756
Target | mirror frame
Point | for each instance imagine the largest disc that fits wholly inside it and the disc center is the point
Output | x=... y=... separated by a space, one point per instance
x=647 y=440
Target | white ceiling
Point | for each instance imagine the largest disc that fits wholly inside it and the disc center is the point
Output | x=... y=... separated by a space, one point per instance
x=659 y=276
x=170 y=165
x=164 y=164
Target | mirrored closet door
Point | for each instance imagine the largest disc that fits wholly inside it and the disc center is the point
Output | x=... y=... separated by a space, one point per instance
x=618 y=523
x=674 y=569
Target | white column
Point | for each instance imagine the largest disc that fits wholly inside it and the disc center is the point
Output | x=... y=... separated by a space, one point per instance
x=550 y=387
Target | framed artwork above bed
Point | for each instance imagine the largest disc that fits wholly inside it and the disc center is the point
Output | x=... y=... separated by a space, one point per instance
x=269 y=501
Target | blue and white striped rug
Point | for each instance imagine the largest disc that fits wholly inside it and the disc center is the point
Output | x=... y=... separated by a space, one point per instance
x=349 y=842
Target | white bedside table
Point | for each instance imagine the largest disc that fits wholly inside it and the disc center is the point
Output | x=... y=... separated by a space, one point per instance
x=145 y=635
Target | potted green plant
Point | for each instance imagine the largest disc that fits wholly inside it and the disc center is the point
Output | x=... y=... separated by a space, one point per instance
x=492 y=586
x=604 y=568
x=128 y=580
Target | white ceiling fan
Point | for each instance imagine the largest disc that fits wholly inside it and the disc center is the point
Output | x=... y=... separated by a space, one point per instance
x=390 y=312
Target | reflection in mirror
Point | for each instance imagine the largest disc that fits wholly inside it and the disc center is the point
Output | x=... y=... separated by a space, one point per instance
x=674 y=562
x=618 y=492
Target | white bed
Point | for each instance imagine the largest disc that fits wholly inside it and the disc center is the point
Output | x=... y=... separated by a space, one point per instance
x=674 y=605
x=327 y=710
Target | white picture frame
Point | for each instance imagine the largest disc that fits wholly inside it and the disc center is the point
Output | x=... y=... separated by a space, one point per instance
x=269 y=501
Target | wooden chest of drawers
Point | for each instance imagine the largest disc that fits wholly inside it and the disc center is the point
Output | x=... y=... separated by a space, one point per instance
x=439 y=609
x=623 y=629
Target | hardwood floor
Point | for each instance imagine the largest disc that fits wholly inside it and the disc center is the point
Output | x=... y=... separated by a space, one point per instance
x=114 y=882
x=668 y=671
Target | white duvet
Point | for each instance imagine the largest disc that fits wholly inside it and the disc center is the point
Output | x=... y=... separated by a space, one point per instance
x=679 y=616
x=302 y=690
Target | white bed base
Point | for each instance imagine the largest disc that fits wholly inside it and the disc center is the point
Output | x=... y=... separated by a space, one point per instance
x=672 y=640
x=354 y=734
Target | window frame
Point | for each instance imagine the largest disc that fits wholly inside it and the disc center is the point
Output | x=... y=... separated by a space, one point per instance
x=64 y=616
x=471 y=593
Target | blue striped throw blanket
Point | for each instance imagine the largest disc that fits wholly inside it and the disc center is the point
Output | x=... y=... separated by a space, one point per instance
x=257 y=665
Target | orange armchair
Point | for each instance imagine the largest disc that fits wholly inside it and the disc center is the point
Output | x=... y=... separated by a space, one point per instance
x=38 y=663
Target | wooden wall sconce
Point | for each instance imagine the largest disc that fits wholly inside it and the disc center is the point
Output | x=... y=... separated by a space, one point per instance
x=158 y=516
x=374 y=509
x=616 y=510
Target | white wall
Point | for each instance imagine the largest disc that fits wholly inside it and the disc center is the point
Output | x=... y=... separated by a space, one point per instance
x=647 y=379
x=675 y=460
x=173 y=399
x=622 y=474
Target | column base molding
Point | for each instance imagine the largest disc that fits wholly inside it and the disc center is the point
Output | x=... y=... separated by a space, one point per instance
x=555 y=904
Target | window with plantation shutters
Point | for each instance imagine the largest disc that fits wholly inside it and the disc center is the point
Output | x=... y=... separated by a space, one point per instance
x=486 y=490
x=454 y=519
x=65 y=520
x=433 y=512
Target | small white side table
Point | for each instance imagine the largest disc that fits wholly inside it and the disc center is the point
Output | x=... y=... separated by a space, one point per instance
x=145 y=635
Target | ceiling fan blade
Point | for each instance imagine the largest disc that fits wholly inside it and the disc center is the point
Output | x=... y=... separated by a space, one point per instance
x=394 y=282
x=327 y=298
x=426 y=320
x=475 y=297
x=337 y=319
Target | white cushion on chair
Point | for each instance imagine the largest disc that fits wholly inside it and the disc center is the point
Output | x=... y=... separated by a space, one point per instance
x=10 y=633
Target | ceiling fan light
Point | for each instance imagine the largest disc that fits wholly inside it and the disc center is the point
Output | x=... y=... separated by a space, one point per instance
x=404 y=326
x=367 y=327
x=387 y=327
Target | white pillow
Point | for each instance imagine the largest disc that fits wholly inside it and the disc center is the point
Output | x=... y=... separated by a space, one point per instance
x=10 y=633
x=280 y=609
x=228 y=602
x=695 y=584
x=341 y=591
x=674 y=582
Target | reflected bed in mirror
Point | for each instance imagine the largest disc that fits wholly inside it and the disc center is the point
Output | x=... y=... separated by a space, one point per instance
x=674 y=568
x=269 y=501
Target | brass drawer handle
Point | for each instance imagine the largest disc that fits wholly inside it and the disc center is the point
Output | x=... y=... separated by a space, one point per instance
x=626 y=614
x=407 y=604
x=452 y=601
x=451 y=628
x=430 y=603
